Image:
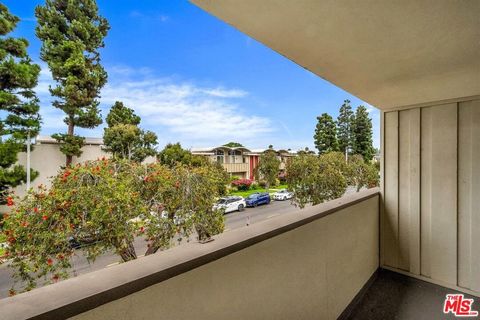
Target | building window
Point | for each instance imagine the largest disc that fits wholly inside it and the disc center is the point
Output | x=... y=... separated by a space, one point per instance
x=219 y=155
x=234 y=156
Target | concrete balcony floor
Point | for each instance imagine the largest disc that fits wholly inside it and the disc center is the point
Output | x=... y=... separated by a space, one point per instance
x=396 y=296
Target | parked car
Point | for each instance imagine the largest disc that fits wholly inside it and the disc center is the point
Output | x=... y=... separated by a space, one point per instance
x=283 y=194
x=229 y=204
x=257 y=198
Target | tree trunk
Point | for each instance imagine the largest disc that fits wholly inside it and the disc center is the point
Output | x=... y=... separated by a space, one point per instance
x=151 y=250
x=128 y=253
x=70 y=132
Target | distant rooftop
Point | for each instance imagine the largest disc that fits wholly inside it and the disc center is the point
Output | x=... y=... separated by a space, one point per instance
x=50 y=140
x=210 y=150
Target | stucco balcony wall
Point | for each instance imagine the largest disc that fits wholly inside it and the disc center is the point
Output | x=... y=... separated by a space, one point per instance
x=302 y=265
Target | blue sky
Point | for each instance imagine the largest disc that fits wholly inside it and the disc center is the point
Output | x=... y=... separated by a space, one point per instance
x=194 y=79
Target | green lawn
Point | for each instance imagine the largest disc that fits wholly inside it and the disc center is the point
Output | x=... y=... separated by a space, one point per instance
x=249 y=192
x=2 y=239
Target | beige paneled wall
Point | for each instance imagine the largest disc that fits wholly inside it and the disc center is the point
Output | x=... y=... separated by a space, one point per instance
x=431 y=214
x=469 y=195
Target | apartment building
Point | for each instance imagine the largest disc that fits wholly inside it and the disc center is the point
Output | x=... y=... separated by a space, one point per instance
x=241 y=161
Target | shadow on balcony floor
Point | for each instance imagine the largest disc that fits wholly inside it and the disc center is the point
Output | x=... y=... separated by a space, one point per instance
x=395 y=296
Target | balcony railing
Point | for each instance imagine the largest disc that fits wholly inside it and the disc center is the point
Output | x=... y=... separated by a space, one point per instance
x=236 y=167
x=300 y=265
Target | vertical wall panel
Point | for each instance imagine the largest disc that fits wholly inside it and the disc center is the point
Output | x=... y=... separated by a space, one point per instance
x=426 y=193
x=409 y=190
x=469 y=195
x=439 y=192
x=390 y=218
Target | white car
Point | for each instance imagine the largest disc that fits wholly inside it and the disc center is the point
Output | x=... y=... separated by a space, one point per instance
x=283 y=194
x=229 y=204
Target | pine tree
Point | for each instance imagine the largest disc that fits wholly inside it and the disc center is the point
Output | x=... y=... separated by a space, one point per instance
x=18 y=102
x=124 y=139
x=344 y=127
x=72 y=32
x=362 y=131
x=325 y=137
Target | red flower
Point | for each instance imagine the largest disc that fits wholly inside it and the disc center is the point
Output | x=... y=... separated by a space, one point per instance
x=49 y=261
x=142 y=229
x=25 y=224
x=10 y=201
x=35 y=210
x=44 y=217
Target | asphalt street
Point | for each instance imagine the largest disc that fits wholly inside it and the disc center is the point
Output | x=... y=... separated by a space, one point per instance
x=233 y=220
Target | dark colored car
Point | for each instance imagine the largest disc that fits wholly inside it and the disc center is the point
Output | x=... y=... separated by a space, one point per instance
x=257 y=198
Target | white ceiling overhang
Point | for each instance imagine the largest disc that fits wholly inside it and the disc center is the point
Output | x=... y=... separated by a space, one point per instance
x=387 y=53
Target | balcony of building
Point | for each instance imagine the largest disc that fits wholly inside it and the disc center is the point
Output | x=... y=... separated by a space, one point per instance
x=388 y=253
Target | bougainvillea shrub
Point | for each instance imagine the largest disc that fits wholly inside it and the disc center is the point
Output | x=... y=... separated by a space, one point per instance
x=242 y=184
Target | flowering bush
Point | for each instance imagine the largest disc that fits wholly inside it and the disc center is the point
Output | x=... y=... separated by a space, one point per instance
x=96 y=203
x=242 y=184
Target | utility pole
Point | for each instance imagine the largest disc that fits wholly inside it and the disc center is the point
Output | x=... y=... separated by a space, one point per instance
x=28 y=161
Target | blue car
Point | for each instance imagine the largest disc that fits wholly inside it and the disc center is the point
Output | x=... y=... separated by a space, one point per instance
x=257 y=198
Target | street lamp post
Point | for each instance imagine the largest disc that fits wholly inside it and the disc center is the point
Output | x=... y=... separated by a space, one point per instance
x=28 y=161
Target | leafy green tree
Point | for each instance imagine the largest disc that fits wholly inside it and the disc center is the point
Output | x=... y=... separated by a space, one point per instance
x=362 y=134
x=72 y=32
x=18 y=103
x=233 y=145
x=268 y=166
x=315 y=179
x=306 y=150
x=325 y=137
x=345 y=127
x=124 y=139
x=362 y=174
x=120 y=114
x=173 y=153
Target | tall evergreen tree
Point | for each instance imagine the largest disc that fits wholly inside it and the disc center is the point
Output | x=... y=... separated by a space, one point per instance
x=18 y=102
x=344 y=127
x=362 y=131
x=325 y=137
x=72 y=32
x=124 y=139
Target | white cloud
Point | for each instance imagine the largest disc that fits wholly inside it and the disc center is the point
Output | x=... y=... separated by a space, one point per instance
x=189 y=111
x=149 y=16
x=370 y=108
x=178 y=111
x=225 y=93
